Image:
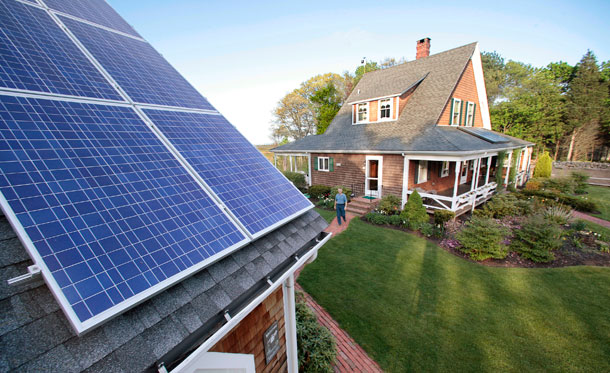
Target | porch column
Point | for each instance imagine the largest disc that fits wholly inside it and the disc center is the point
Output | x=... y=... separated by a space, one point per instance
x=478 y=169
x=405 y=180
x=488 y=168
x=474 y=173
x=309 y=175
x=510 y=158
x=290 y=325
x=290 y=159
x=275 y=160
x=458 y=165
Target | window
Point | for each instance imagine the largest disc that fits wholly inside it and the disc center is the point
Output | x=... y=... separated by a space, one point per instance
x=445 y=169
x=470 y=110
x=385 y=109
x=422 y=172
x=323 y=164
x=456 y=111
x=363 y=112
x=471 y=165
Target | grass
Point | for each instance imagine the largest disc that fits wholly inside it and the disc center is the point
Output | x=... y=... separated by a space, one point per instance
x=414 y=307
x=601 y=196
x=326 y=214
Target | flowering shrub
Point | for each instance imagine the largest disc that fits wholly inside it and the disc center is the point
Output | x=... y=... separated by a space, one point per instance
x=319 y=191
x=389 y=204
x=327 y=202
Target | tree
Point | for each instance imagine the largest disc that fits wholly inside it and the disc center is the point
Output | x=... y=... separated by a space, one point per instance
x=327 y=102
x=544 y=166
x=493 y=67
x=587 y=107
x=297 y=116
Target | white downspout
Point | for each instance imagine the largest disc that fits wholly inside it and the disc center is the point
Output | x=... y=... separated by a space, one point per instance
x=290 y=325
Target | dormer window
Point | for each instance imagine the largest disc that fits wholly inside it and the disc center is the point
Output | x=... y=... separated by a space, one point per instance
x=385 y=109
x=363 y=112
x=456 y=111
x=470 y=110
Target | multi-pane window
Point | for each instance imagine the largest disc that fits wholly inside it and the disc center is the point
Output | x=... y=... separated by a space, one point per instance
x=469 y=114
x=445 y=169
x=363 y=112
x=385 y=109
x=323 y=163
x=422 y=172
x=456 y=112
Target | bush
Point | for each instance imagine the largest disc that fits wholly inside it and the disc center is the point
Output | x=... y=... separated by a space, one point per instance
x=533 y=185
x=389 y=204
x=482 y=239
x=578 y=225
x=512 y=174
x=500 y=205
x=536 y=239
x=430 y=230
x=297 y=178
x=326 y=202
x=562 y=184
x=577 y=203
x=557 y=214
x=317 y=191
x=525 y=207
x=580 y=180
x=443 y=216
x=499 y=170
x=377 y=218
x=347 y=191
x=396 y=220
x=414 y=212
x=544 y=166
x=316 y=345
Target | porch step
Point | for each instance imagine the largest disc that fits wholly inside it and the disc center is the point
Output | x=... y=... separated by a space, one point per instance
x=357 y=210
x=361 y=206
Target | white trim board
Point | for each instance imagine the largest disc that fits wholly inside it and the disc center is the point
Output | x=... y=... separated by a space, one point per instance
x=479 y=79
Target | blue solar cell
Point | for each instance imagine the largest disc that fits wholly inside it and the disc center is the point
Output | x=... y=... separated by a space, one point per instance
x=138 y=68
x=487 y=135
x=96 y=11
x=255 y=191
x=35 y=54
x=109 y=209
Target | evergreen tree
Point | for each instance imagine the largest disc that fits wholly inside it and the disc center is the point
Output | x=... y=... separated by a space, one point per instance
x=587 y=107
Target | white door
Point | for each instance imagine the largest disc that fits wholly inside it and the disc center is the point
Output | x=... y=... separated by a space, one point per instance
x=374 y=165
x=464 y=171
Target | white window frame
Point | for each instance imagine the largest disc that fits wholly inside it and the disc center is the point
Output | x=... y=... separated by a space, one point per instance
x=321 y=164
x=380 y=103
x=471 y=164
x=422 y=172
x=445 y=169
x=469 y=114
x=366 y=105
x=457 y=107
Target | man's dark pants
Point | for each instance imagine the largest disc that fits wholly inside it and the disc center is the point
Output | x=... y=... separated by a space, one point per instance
x=340 y=212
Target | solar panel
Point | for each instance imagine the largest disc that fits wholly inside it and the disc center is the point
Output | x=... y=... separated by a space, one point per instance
x=486 y=135
x=138 y=68
x=255 y=191
x=112 y=215
x=96 y=11
x=37 y=55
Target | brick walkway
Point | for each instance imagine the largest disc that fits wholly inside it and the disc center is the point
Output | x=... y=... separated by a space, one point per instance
x=334 y=226
x=350 y=356
x=593 y=219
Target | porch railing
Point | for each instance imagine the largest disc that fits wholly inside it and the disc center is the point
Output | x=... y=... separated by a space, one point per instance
x=436 y=201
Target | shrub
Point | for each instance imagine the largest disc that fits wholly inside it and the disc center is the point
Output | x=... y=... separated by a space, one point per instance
x=318 y=190
x=557 y=214
x=578 y=203
x=389 y=204
x=443 y=216
x=414 y=212
x=578 y=225
x=396 y=220
x=430 y=230
x=326 y=202
x=377 y=218
x=500 y=205
x=544 y=166
x=533 y=185
x=316 y=345
x=536 y=239
x=297 y=178
x=512 y=174
x=580 y=180
x=482 y=239
x=347 y=191
x=562 y=184
x=524 y=207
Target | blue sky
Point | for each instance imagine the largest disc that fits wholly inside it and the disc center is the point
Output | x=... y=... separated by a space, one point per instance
x=246 y=55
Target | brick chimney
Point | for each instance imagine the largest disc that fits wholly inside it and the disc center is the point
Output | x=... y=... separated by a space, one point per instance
x=423 y=48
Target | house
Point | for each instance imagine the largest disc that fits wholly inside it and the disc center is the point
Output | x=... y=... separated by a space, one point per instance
x=423 y=125
x=139 y=230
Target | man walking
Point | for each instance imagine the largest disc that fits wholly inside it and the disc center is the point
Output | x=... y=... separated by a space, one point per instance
x=340 y=202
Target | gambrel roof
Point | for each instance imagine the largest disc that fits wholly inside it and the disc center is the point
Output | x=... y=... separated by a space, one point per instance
x=434 y=79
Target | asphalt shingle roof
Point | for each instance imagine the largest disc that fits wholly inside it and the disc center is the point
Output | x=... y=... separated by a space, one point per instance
x=416 y=129
x=36 y=336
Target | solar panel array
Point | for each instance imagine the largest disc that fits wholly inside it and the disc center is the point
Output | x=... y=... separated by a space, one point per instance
x=118 y=194
x=486 y=135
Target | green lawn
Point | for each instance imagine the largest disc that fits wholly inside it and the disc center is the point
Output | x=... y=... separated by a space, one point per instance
x=414 y=307
x=601 y=196
x=326 y=214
